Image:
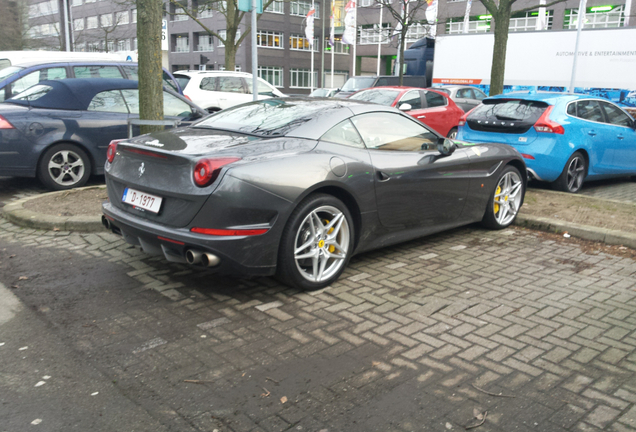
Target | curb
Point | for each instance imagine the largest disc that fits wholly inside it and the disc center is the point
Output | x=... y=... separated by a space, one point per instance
x=16 y=213
x=585 y=232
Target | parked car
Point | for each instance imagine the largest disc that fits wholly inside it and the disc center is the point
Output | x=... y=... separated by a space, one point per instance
x=358 y=83
x=324 y=92
x=8 y=58
x=19 y=77
x=465 y=97
x=431 y=107
x=564 y=138
x=217 y=90
x=296 y=186
x=59 y=130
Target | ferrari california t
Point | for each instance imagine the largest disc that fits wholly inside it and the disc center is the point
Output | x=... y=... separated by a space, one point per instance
x=296 y=186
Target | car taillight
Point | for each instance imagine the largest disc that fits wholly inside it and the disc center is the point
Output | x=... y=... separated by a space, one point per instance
x=207 y=170
x=544 y=124
x=112 y=150
x=4 y=124
x=462 y=121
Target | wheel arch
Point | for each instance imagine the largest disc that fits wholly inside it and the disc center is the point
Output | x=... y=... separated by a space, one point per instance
x=586 y=155
x=71 y=142
x=521 y=167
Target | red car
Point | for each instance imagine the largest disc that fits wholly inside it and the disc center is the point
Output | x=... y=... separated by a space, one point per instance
x=433 y=108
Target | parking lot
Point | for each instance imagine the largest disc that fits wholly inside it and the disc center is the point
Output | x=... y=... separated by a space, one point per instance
x=520 y=329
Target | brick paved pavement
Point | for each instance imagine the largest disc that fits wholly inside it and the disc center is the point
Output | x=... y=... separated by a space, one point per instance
x=411 y=338
x=616 y=189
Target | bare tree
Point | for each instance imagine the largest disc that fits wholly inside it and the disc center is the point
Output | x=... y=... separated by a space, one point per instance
x=501 y=11
x=404 y=13
x=13 y=25
x=233 y=17
x=149 y=17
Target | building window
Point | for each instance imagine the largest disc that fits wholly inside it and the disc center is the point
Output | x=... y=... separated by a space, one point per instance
x=90 y=1
x=237 y=68
x=123 y=45
x=43 y=30
x=269 y=39
x=205 y=12
x=122 y=18
x=76 y=3
x=91 y=22
x=44 y=8
x=300 y=78
x=80 y=47
x=111 y=46
x=367 y=3
x=417 y=31
x=223 y=34
x=106 y=20
x=596 y=17
x=298 y=42
x=338 y=47
x=302 y=8
x=179 y=15
x=205 y=43
x=528 y=21
x=371 y=34
x=78 y=24
x=134 y=44
x=277 y=6
x=479 y=24
x=134 y=15
x=181 y=44
x=271 y=74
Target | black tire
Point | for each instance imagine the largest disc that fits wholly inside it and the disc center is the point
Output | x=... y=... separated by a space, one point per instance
x=452 y=134
x=64 y=166
x=505 y=200
x=296 y=271
x=573 y=175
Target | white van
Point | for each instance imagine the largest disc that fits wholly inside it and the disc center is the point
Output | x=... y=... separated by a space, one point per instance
x=8 y=58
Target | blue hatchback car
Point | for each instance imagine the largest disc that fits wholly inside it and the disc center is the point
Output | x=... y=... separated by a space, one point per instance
x=564 y=138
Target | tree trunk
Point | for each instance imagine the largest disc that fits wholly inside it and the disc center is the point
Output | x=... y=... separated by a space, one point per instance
x=402 y=47
x=230 y=36
x=149 y=15
x=497 y=71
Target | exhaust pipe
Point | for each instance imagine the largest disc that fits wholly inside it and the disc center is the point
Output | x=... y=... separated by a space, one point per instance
x=106 y=223
x=193 y=256
x=210 y=260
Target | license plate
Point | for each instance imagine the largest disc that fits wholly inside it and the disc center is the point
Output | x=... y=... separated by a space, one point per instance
x=142 y=200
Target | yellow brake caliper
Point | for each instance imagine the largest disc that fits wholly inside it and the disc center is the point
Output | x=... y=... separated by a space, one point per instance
x=496 y=206
x=332 y=248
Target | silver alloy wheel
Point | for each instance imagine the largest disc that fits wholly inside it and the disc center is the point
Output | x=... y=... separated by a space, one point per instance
x=322 y=243
x=508 y=196
x=575 y=174
x=453 y=134
x=66 y=168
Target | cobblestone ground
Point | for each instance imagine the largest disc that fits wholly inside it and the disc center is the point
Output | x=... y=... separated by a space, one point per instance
x=618 y=189
x=425 y=336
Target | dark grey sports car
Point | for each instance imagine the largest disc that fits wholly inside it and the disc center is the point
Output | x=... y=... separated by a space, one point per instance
x=295 y=187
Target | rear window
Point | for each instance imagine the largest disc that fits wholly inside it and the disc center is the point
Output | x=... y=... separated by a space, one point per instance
x=270 y=117
x=506 y=115
x=182 y=80
x=33 y=93
x=358 y=83
x=382 y=97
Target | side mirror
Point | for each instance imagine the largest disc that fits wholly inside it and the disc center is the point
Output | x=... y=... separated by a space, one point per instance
x=405 y=107
x=446 y=146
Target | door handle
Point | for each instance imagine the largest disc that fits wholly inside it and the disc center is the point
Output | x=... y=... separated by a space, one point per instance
x=422 y=116
x=591 y=133
x=620 y=137
x=382 y=176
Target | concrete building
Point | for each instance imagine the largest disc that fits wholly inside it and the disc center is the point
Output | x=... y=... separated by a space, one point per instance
x=284 y=55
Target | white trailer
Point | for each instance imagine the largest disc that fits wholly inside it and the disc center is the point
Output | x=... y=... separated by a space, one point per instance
x=542 y=60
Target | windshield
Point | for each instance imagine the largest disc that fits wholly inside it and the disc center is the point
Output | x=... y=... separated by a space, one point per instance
x=358 y=83
x=9 y=71
x=319 y=93
x=270 y=117
x=382 y=97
